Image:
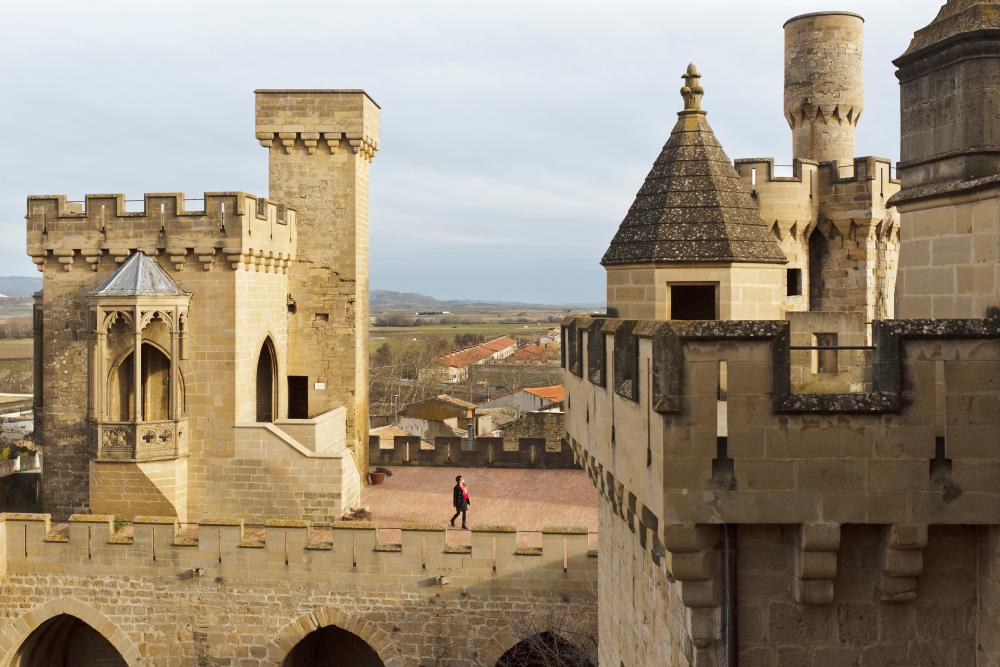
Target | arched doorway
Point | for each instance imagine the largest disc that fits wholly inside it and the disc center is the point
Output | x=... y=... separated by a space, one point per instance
x=155 y=395
x=267 y=380
x=332 y=647
x=545 y=649
x=66 y=640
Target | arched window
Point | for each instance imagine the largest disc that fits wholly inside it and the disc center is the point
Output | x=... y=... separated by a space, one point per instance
x=155 y=394
x=267 y=382
x=66 y=640
x=331 y=646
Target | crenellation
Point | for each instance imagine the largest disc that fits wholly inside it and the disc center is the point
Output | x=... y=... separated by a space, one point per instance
x=258 y=234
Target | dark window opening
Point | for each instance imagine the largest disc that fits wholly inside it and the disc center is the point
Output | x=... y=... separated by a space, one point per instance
x=265 y=382
x=819 y=257
x=826 y=360
x=298 y=397
x=693 y=302
x=793 y=282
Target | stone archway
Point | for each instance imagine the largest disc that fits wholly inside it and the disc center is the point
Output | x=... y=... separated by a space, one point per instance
x=14 y=636
x=293 y=633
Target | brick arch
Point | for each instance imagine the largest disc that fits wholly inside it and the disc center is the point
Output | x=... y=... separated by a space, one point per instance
x=17 y=632
x=298 y=629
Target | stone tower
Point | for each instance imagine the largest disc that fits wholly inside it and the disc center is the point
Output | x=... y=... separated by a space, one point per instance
x=824 y=84
x=831 y=216
x=320 y=143
x=949 y=264
x=693 y=246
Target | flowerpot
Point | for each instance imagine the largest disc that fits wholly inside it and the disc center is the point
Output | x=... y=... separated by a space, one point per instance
x=376 y=477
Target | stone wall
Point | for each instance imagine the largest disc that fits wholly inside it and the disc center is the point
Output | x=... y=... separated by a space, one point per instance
x=639 y=607
x=229 y=597
x=950 y=256
x=938 y=628
x=531 y=452
x=550 y=426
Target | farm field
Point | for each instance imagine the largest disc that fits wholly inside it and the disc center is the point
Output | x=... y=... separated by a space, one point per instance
x=16 y=348
x=398 y=335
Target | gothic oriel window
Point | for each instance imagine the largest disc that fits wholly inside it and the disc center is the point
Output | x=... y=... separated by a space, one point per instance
x=137 y=398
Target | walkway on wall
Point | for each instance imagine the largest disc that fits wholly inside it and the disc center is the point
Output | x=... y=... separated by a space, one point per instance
x=527 y=499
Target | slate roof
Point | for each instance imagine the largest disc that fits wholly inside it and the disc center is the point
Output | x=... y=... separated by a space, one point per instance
x=693 y=207
x=955 y=18
x=139 y=276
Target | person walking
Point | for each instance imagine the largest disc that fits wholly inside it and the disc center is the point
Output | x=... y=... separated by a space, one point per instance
x=460 y=499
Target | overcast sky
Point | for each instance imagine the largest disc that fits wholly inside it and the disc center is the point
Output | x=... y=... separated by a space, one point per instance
x=514 y=134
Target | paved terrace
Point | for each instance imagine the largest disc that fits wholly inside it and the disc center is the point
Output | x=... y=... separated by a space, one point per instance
x=526 y=499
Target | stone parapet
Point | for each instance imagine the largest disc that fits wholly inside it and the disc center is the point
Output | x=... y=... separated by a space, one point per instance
x=285 y=550
x=487 y=453
x=913 y=450
x=236 y=229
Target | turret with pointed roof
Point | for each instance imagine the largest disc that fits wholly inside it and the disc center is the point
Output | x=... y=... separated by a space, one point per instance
x=692 y=211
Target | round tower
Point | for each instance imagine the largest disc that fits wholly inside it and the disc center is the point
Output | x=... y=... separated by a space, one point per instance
x=824 y=84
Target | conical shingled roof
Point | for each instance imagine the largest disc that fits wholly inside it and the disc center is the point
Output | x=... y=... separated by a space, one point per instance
x=139 y=276
x=693 y=207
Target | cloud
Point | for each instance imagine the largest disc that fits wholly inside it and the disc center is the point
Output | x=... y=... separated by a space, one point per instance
x=514 y=133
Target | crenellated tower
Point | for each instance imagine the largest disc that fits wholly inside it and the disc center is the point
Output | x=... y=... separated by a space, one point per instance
x=824 y=84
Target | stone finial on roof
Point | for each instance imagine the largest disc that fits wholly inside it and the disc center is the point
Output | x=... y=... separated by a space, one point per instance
x=692 y=91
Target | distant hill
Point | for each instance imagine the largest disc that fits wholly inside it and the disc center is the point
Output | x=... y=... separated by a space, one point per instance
x=18 y=287
x=383 y=300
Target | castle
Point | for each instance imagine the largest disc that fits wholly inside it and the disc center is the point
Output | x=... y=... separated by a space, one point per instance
x=789 y=474
x=226 y=338
x=790 y=410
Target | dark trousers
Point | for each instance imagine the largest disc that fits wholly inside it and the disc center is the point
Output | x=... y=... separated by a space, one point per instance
x=457 y=512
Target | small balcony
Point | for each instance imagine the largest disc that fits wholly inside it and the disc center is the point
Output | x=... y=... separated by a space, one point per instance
x=141 y=441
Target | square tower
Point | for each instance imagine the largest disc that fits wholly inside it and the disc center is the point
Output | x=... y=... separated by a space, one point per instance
x=320 y=143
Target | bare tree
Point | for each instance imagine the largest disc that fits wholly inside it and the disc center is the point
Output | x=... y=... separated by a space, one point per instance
x=557 y=638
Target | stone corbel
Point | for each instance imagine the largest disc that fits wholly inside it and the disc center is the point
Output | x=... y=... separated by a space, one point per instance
x=178 y=256
x=287 y=140
x=816 y=563
x=692 y=556
x=93 y=260
x=332 y=140
x=693 y=559
x=310 y=139
x=38 y=259
x=120 y=254
x=902 y=561
x=65 y=258
x=235 y=260
x=266 y=139
x=206 y=256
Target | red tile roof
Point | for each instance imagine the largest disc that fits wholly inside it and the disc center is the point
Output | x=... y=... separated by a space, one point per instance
x=477 y=353
x=555 y=393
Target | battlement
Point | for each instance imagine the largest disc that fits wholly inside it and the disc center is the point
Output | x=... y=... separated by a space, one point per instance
x=282 y=550
x=247 y=230
x=862 y=170
x=708 y=408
